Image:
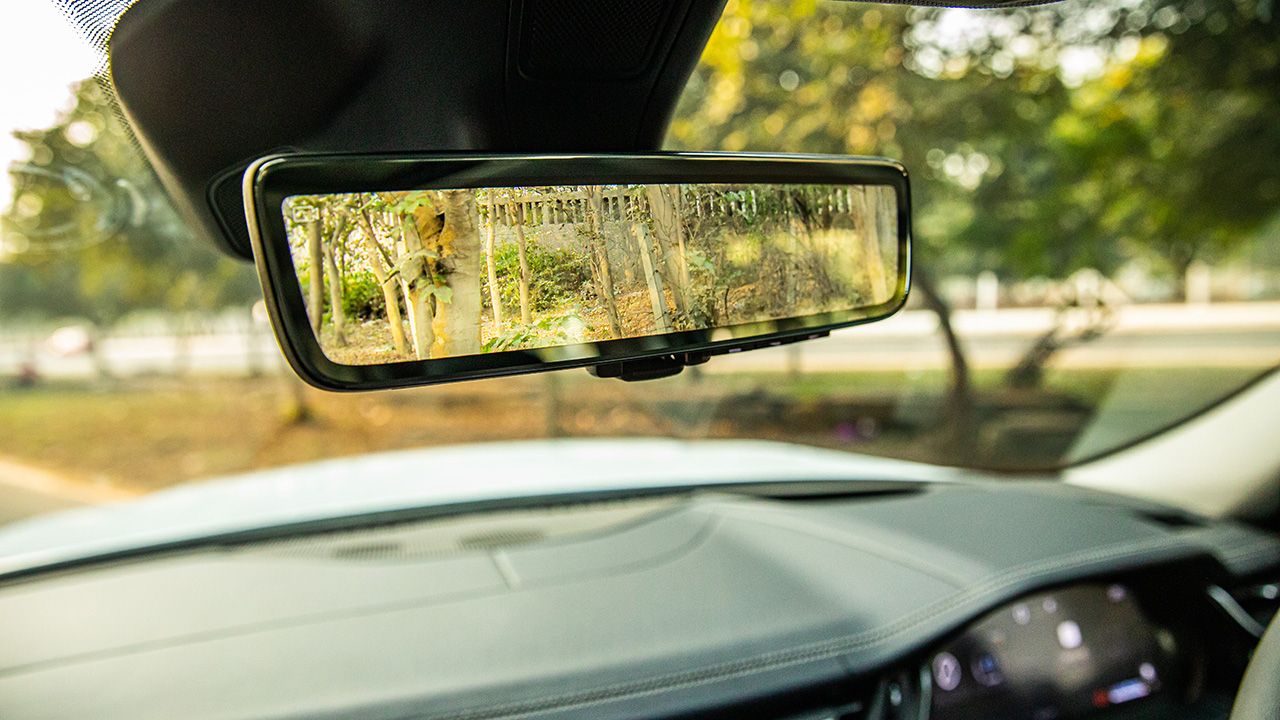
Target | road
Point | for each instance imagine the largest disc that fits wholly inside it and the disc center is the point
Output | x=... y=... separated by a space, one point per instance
x=17 y=502
x=1149 y=336
x=1141 y=336
x=27 y=491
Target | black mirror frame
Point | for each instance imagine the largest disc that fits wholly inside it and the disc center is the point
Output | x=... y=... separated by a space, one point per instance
x=272 y=179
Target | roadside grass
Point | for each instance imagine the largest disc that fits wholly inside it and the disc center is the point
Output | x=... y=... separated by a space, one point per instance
x=148 y=434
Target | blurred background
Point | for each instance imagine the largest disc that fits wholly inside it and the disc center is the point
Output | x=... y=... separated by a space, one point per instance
x=1098 y=257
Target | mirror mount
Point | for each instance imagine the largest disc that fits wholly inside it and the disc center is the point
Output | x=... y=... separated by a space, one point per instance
x=653 y=368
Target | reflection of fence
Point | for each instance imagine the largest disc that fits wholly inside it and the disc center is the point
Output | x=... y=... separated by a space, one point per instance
x=541 y=207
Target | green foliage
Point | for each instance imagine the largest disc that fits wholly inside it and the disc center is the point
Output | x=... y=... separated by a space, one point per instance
x=410 y=202
x=362 y=297
x=1020 y=161
x=558 y=275
x=543 y=332
x=132 y=253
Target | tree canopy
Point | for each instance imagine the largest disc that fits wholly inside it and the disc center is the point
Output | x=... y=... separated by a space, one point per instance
x=90 y=233
x=1042 y=140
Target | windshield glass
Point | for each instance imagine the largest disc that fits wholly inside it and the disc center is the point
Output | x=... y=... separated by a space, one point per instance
x=1096 y=258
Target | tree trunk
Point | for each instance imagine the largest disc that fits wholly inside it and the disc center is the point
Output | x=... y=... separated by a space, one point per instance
x=295 y=407
x=417 y=301
x=331 y=253
x=335 y=298
x=390 y=297
x=887 y=219
x=668 y=229
x=866 y=225
x=960 y=432
x=182 y=332
x=457 y=320
x=495 y=297
x=96 y=354
x=600 y=254
x=315 y=284
x=657 y=298
x=1181 y=259
x=517 y=218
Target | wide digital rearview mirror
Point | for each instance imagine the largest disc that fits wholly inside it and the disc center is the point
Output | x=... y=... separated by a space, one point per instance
x=393 y=271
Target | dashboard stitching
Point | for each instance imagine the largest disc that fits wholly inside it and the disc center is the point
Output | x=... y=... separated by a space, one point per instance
x=1003 y=580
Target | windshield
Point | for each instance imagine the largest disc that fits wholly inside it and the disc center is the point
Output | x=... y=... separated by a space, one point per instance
x=1096 y=258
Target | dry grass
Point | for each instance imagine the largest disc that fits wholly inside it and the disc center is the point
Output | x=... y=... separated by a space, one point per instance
x=146 y=435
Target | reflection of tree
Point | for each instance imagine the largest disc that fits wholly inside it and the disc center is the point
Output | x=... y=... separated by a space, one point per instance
x=665 y=216
x=378 y=261
x=862 y=208
x=491 y=270
x=517 y=219
x=338 y=217
x=653 y=278
x=458 y=312
x=601 y=272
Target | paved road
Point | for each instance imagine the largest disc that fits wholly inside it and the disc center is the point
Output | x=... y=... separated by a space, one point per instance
x=1226 y=335
x=17 y=502
x=26 y=491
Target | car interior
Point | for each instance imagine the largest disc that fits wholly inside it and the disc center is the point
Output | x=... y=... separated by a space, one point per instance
x=770 y=588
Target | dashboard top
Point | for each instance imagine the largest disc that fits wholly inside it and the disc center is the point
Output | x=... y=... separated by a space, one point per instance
x=688 y=605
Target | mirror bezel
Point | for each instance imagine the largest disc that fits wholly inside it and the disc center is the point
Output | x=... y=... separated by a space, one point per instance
x=272 y=179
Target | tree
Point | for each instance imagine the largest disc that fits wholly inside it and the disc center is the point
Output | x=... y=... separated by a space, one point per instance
x=122 y=248
x=667 y=222
x=653 y=280
x=457 y=318
x=495 y=299
x=419 y=223
x=601 y=271
x=336 y=216
x=1041 y=141
x=865 y=213
x=377 y=260
x=1020 y=163
x=516 y=210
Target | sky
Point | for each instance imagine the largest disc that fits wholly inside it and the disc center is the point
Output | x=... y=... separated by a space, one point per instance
x=41 y=56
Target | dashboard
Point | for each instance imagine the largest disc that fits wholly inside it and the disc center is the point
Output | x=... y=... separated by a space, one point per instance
x=988 y=600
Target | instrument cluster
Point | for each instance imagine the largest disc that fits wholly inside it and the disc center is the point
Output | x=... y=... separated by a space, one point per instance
x=1072 y=652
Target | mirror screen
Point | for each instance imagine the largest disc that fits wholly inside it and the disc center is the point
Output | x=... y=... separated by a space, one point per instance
x=396 y=276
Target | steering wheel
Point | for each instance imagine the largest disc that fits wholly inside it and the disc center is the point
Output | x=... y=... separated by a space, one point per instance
x=1259 y=695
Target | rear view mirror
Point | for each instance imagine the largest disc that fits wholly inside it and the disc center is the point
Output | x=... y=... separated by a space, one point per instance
x=391 y=271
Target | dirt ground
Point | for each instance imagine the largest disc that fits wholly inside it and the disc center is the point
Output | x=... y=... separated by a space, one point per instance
x=149 y=434
x=146 y=434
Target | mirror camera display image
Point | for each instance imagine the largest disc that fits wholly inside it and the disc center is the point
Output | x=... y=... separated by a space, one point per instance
x=397 y=276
